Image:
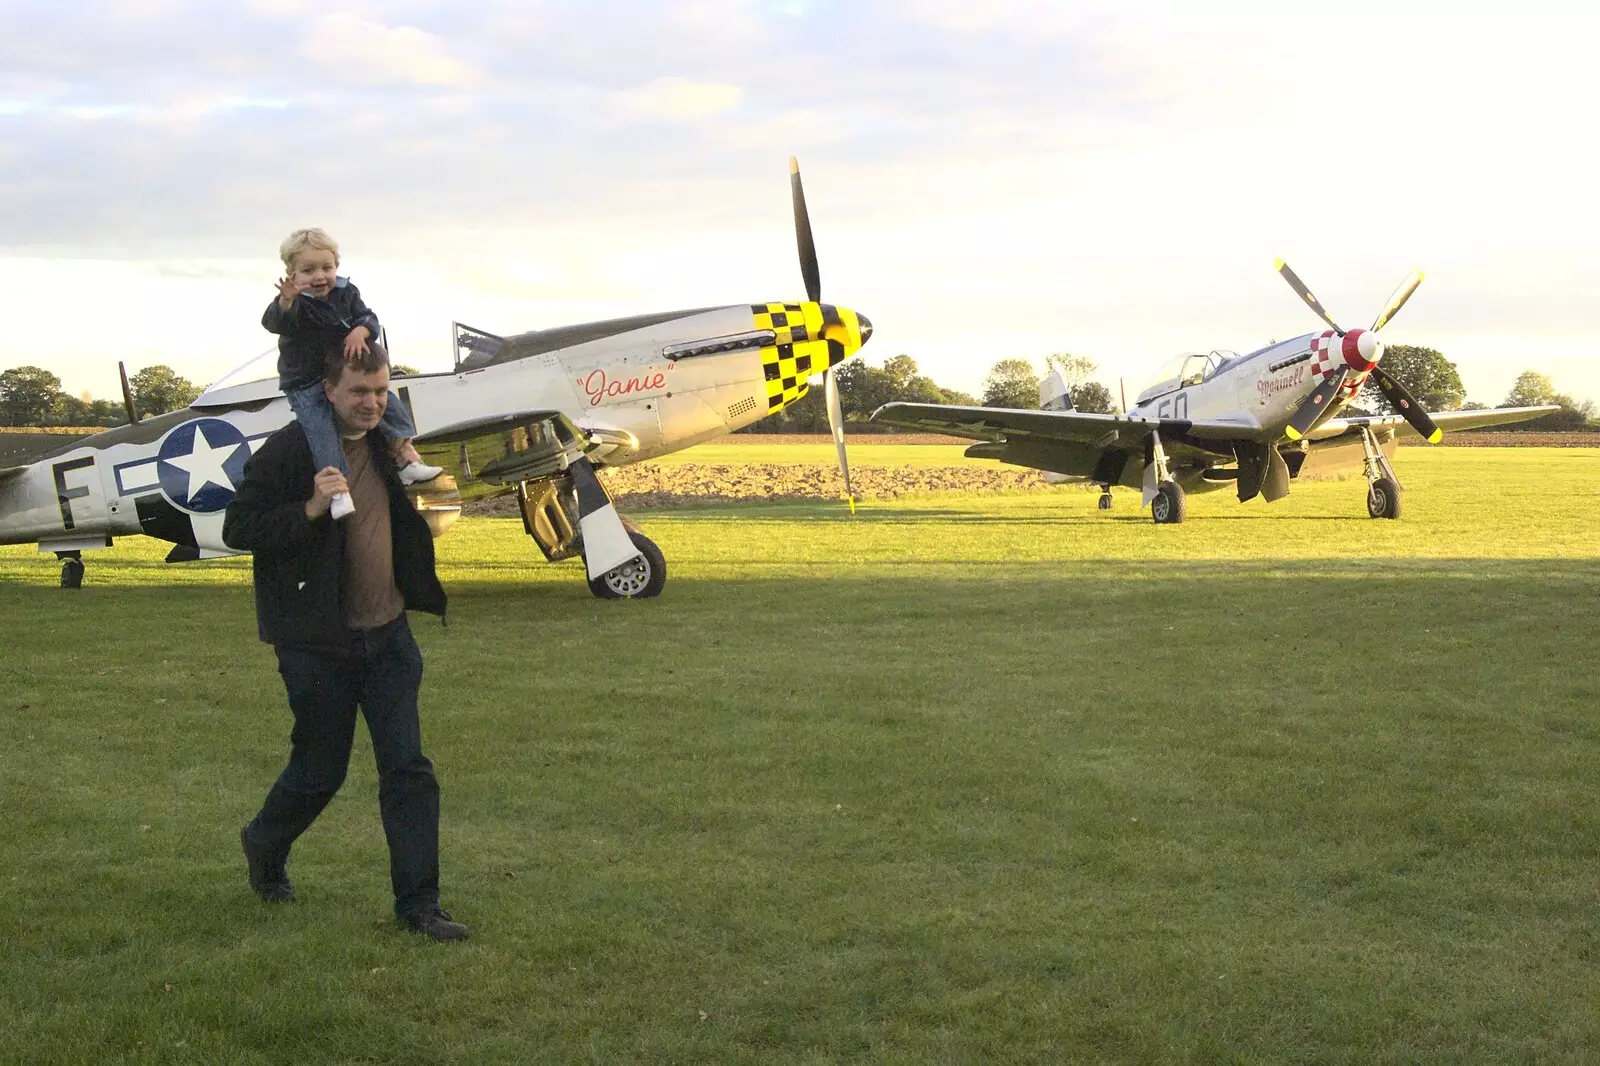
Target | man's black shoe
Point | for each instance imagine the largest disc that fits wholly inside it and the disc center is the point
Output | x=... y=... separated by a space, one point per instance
x=269 y=879
x=435 y=923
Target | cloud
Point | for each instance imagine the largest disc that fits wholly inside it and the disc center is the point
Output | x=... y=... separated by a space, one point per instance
x=679 y=99
x=350 y=47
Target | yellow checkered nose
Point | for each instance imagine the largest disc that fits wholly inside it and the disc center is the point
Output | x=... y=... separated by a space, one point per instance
x=807 y=339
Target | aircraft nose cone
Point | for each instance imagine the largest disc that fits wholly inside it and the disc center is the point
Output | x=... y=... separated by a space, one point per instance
x=1370 y=346
x=1362 y=349
x=866 y=327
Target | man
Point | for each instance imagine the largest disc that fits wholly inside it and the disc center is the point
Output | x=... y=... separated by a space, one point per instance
x=331 y=597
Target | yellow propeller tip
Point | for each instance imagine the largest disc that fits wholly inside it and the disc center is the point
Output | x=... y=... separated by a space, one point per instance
x=794 y=165
x=1277 y=264
x=1291 y=432
x=1436 y=436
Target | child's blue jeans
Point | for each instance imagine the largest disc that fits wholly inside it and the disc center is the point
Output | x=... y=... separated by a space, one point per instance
x=310 y=406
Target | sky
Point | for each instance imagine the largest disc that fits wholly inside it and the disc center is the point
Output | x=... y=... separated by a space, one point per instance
x=986 y=180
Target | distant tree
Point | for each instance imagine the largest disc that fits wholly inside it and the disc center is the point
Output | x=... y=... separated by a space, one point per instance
x=400 y=370
x=158 y=389
x=1533 y=389
x=1093 y=397
x=1530 y=390
x=1425 y=372
x=27 y=395
x=1011 y=383
x=957 y=398
x=1474 y=405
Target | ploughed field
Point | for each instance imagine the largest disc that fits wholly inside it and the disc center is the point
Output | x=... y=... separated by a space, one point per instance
x=979 y=776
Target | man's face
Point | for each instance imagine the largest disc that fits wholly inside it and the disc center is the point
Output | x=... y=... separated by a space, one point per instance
x=359 y=399
x=315 y=269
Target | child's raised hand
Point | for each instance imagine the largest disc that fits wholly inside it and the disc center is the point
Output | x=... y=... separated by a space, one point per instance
x=355 y=342
x=288 y=288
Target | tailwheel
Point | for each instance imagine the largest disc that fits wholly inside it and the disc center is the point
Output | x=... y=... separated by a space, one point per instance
x=1383 y=499
x=1169 y=506
x=1105 y=500
x=71 y=573
x=637 y=579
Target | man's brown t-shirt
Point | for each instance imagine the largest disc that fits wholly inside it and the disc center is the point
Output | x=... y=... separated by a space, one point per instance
x=371 y=597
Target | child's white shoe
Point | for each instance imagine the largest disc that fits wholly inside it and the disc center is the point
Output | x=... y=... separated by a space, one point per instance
x=341 y=505
x=416 y=471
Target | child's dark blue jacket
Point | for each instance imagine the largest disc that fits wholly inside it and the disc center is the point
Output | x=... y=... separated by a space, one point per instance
x=312 y=330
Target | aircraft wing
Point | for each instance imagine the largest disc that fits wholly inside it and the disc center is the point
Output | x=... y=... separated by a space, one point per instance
x=1453 y=421
x=10 y=472
x=1073 y=427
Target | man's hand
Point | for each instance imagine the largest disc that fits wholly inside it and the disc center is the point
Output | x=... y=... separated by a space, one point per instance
x=355 y=342
x=330 y=482
x=288 y=288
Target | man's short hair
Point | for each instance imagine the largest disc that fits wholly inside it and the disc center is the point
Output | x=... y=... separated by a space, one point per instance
x=374 y=359
x=301 y=239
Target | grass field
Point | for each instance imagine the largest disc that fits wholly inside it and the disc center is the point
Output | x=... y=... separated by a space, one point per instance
x=996 y=779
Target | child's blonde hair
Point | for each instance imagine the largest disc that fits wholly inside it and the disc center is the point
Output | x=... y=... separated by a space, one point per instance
x=301 y=239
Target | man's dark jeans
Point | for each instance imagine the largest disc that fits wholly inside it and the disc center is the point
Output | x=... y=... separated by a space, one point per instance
x=382 y=676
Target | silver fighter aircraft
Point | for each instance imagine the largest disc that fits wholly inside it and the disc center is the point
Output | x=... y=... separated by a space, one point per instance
x=1220 y=420
x=535 y=412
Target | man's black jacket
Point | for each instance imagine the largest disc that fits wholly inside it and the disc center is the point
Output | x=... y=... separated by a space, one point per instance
x=299 y=563
x=312 y=330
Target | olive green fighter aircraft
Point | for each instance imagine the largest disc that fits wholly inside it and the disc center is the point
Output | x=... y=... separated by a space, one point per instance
x=1218 y=420
x=535 y=413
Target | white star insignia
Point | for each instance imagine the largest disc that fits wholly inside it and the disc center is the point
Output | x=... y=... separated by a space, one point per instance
x=203 y=464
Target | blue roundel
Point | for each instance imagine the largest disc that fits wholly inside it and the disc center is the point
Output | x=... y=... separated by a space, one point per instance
x=202 y=463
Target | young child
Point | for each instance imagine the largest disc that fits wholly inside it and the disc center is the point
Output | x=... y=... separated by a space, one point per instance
x=316 y=314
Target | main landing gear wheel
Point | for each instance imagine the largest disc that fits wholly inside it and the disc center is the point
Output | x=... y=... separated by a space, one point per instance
x=636 y=579
x=1169 y=506
x=1383 y=499
x=1105 y=501
x=71 y=573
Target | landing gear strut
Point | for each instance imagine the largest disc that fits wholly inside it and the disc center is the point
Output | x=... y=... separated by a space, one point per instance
x=1165 y=496
x=550 y=514
x=1383 y=487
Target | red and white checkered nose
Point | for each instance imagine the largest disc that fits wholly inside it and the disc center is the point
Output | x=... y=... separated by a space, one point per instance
x=1361 y=349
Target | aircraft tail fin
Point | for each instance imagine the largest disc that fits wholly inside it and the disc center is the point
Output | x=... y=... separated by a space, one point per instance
x=1053 y=393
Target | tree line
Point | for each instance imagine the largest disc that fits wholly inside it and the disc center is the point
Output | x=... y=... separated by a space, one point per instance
x=32 y=396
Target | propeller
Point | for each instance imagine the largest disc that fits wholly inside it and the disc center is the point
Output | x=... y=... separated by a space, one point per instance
x=1305 y=416
x=836 y=424
x=1361 y=350
x=1398 y=300
x=1305 y=294
x=813 y=278
x=127 y=396
x=1407 y=405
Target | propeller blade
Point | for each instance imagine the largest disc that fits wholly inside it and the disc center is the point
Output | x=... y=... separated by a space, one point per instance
x=802 y=236
x=1305 y=417
x=1305 y=294
x=1408 y=406
x=836 y=424
x=1398 y=300
x=127 y=396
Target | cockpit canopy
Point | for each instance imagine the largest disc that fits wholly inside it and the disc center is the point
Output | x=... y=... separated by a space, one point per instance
x=1190 y=368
